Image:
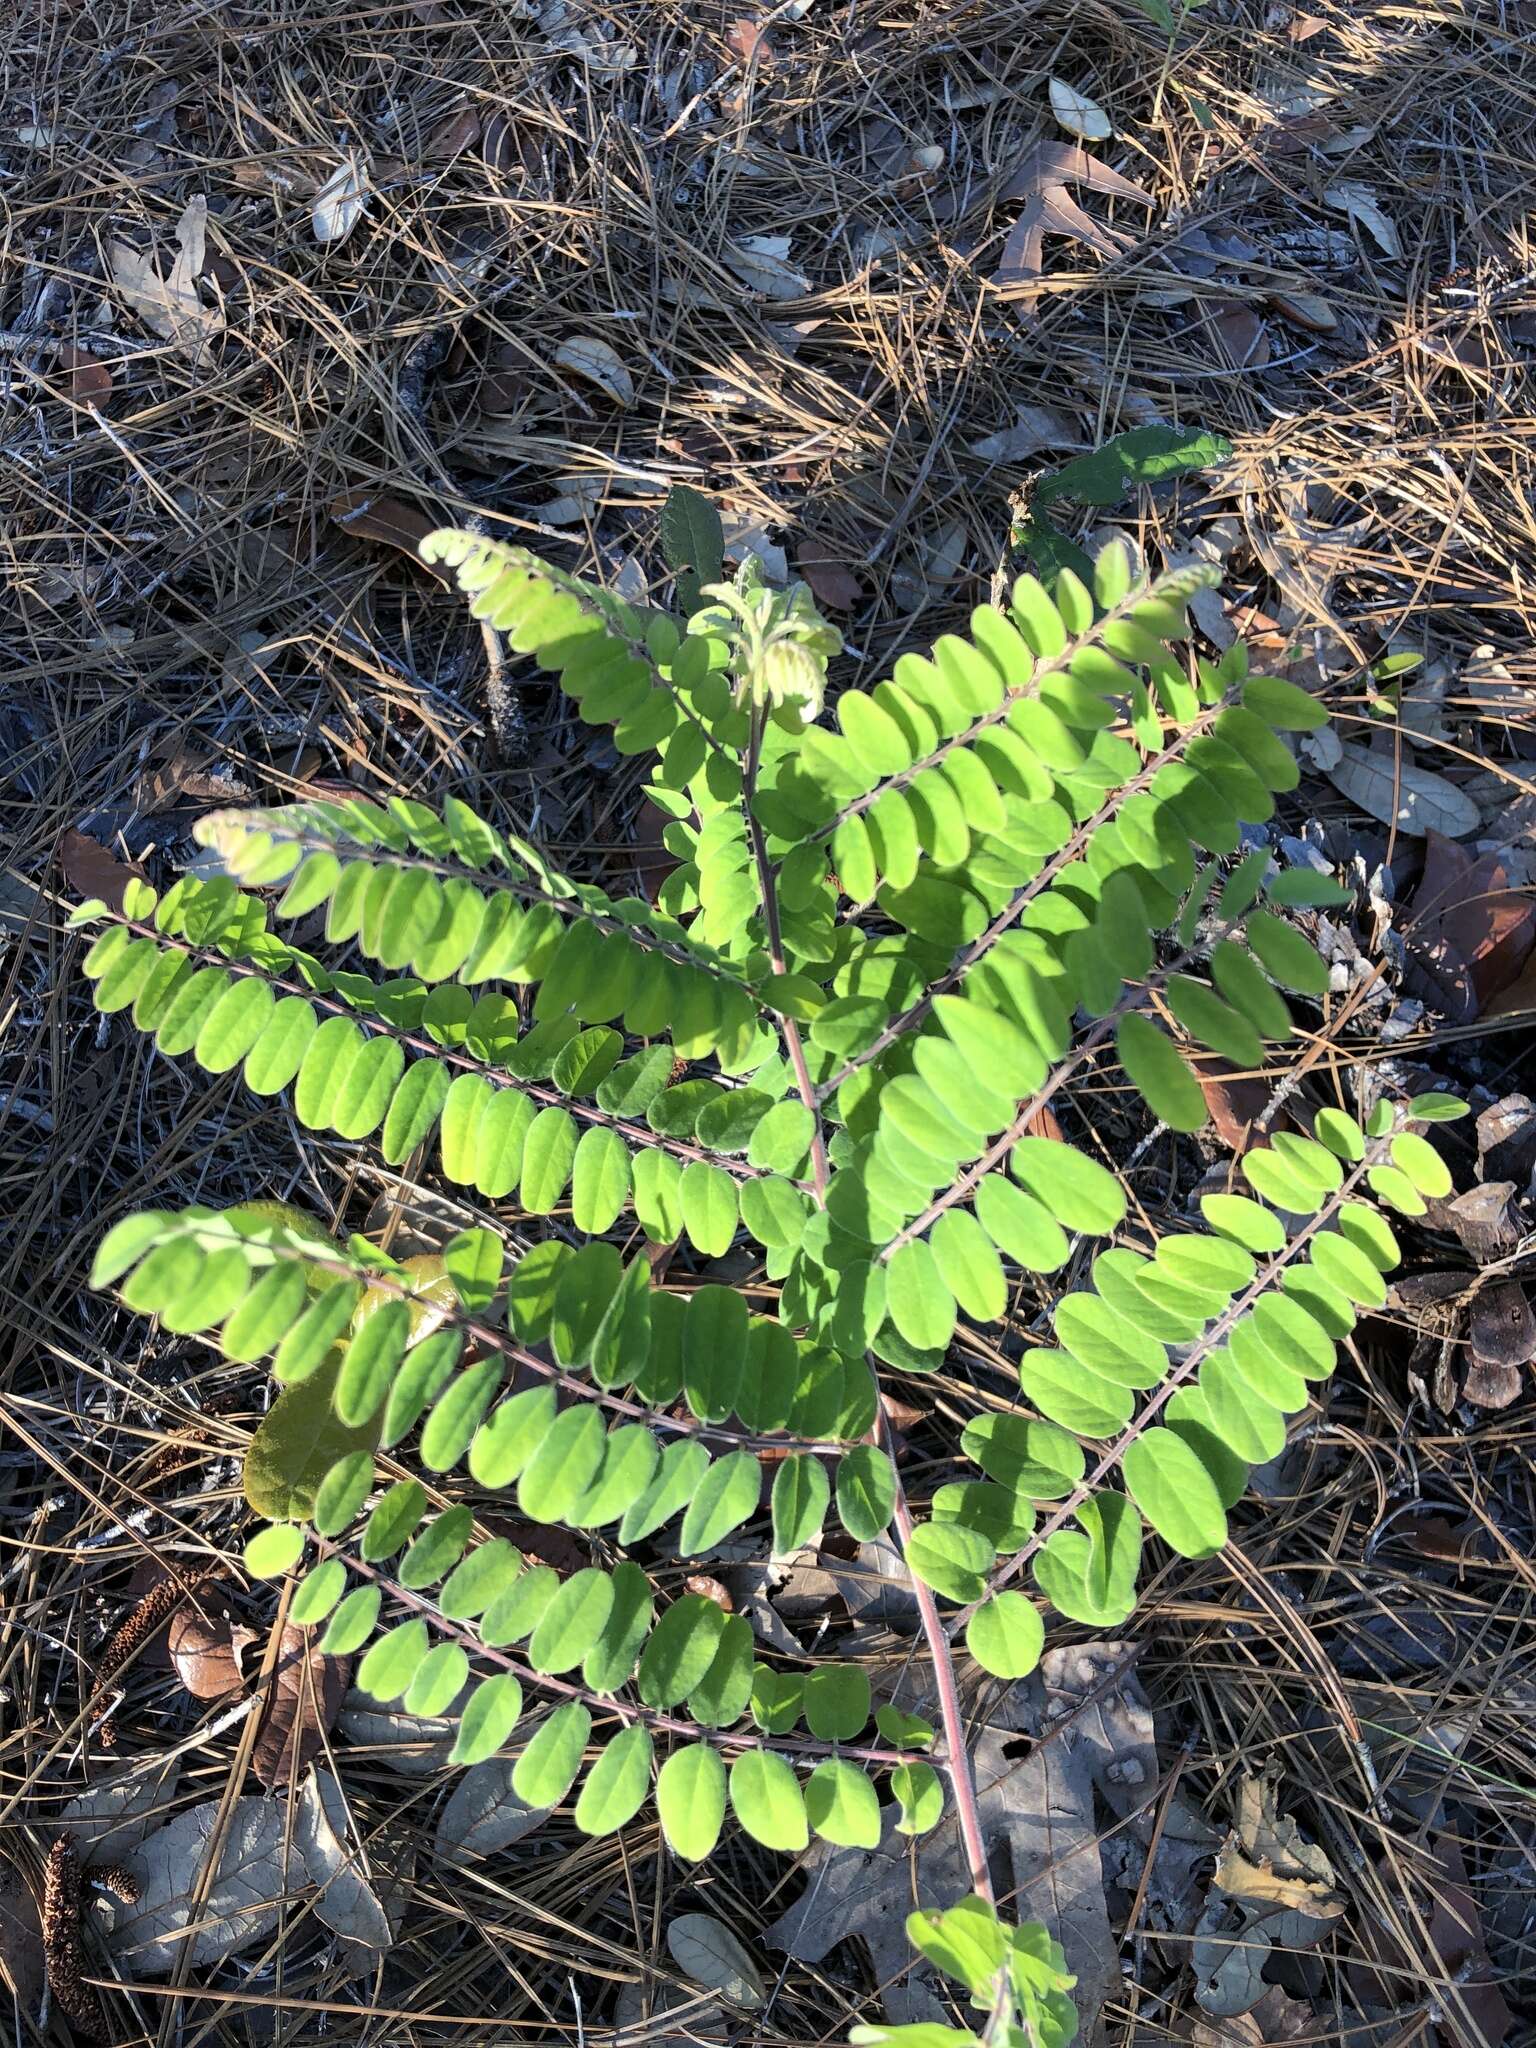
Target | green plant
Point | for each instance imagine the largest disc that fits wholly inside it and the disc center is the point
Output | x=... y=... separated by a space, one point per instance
x=886 y=950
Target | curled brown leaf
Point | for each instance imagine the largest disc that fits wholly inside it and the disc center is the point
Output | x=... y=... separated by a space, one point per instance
x=304 y=1696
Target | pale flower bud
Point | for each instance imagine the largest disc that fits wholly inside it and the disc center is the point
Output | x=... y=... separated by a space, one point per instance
x=788 y=673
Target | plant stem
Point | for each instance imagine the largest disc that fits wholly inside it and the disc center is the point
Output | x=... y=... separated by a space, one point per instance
x=957 y=1757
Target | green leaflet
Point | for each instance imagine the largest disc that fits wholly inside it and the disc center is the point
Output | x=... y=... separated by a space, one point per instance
x=917 y=1298
x=690 y=1798
x=725 y=1497
x=490 y=1714
x=722 y=1694
x=572 y=1624
x=842 y=1805
x=680 y=1651
x=1152 y=1062
x=866 y=1492
x=1032 y=1458
x=951 y=1558
x=1171 y=1487
x=547 y=1768
x=836 y=1701
x=617 y=1784
x=1079 y=1192
x=1006 y=1635
x=801 y=1495
x=274 y=1550
x=714 y=1350
x=353 y=1622
x=767 y=1800
x=317 y=1593
x=392 y=1661
x=920 y=1797
x=563 y=1464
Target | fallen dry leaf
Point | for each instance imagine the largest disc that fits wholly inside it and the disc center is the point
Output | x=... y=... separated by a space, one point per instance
x=1476 y=2014
x=207 y=1648
x=748 y=40
x=1394 y=789
x=408 y=1744
x=93 y=872
x=762 y=263
x=705 y=1949
x=21 y=1941
x=304 y=1697
x=111 y=1818
x=169 y=306
x=1035 y=428
x=584 y=355
x=1487 y=1219
x=483 y=1813
x=1042 y=182
x=1502 y=1331
x=1362 y=205
x=832 y=581
x=1470 y=934
x=709 y=1589
x=460 y=131
x=89 y=378
x=185 y=771
x=1266 y=1857
x=1313 y=315
x=1241 y=336
x=1078 y=114
x=347 y=1902
x=342 y=200
x=256 y=1868
x=373 y=516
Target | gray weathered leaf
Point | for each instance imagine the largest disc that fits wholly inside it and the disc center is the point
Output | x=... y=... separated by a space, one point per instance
x=257 y=1867
x=407 y=1743
x=704 y=1949
x=169 y=306
x=762 y=263
x=1399 y=791
x=1361 y=204
x=483 y=1813
x=1035 y=427
x=1078 y=114
x=110 y=1819
x=347 y=1901
x=584 y=355
x=21 y=1941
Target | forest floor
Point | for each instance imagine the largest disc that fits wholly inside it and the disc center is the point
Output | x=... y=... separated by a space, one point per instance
x=283 y=287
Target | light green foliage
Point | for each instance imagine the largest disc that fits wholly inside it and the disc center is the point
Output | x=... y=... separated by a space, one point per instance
x=895 y=932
